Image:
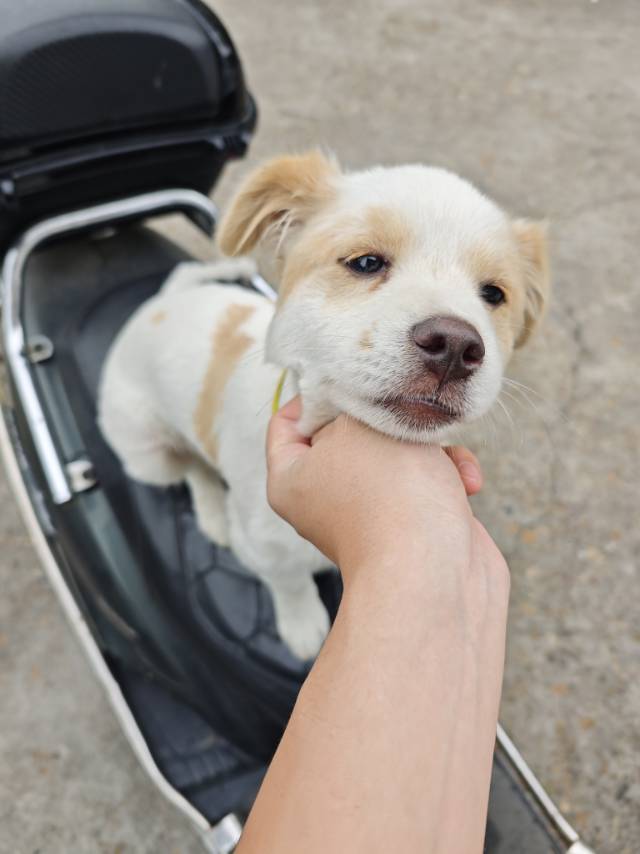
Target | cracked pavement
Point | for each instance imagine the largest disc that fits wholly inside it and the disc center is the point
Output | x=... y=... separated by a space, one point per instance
x=538 y=103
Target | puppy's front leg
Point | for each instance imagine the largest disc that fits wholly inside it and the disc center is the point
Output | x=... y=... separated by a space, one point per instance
x=302 y=619
x=209 y=501
x=285 y=563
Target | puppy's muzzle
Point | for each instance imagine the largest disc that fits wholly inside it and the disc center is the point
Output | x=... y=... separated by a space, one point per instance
x=450 y=349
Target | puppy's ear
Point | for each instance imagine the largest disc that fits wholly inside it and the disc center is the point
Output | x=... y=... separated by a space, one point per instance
x=275 y=198
x=531 y=238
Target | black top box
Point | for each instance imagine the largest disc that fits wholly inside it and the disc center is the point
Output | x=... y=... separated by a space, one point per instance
x=101 y=99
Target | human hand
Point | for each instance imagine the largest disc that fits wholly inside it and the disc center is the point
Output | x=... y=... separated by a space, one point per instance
x=357 y=494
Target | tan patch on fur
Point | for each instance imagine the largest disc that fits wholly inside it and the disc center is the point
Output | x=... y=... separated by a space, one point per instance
x=487 y=263
x=227 y=346
x=158 y=317
x=531 y=238
x=500 y=266
x=522 y=271
x=284 y=191
x=504 y=329
x=366 y=340
x=380 y=231
x=311 y=252
x=388 y=231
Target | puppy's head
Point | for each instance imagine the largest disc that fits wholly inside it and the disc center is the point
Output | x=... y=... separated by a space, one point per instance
x=403 y=290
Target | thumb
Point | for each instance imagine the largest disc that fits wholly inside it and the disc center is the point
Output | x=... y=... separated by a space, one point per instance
x=468 y=468
x=284 y=441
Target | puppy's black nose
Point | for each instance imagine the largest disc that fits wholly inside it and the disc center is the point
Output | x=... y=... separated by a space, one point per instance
x=450 y=348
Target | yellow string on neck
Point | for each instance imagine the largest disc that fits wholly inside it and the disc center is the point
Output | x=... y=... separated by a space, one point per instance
x=275 y=403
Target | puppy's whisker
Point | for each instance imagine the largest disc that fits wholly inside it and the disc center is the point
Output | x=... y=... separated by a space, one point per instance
x=515 y=431
x=523 y=398
x=492 y=436
x=523 y=403
x=544 y=419
x=262 y=408
x=249 y=357
x=517 y=400
x=510 y=381
x=526 y=390
x=520 y=396
x=503 y=407
x=485 y=420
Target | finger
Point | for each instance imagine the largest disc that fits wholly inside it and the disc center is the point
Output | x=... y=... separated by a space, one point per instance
x=468 y=468
x=284 y=442
x=291 y=410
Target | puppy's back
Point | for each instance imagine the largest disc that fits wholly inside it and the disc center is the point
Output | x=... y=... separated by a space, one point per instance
x=167 y=370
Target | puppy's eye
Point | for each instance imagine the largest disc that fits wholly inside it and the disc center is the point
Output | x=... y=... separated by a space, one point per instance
x=367 y=265
x=492 y=294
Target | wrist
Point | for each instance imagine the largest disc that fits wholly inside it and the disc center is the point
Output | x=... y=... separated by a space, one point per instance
x=413 y=572
x=406 y=598
x=447 y=601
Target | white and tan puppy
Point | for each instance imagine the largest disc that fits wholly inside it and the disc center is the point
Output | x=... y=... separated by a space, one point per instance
x=402 y=294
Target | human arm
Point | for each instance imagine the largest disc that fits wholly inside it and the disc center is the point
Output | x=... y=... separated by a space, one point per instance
x=390 y=743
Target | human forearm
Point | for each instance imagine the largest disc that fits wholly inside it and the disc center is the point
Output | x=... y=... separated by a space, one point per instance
x=402 y=692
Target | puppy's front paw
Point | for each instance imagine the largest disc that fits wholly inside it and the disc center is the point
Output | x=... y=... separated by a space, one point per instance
x=304 y=629
x=215 y=528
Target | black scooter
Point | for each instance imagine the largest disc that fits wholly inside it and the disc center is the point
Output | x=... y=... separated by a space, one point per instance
x=113 y=112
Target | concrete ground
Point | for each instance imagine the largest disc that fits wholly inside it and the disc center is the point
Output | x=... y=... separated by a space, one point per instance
x=538 y=102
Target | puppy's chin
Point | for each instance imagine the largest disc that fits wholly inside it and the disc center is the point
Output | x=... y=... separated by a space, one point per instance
x=420 y=428
x=418 y=419
x=407 y=429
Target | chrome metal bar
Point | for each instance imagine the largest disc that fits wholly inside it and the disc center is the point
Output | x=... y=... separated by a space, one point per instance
x=11 y=293
x=223 y=837
x=263 y=287
x=539 y=794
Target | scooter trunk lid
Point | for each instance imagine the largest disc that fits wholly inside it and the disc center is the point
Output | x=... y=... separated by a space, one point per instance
x=101 y=99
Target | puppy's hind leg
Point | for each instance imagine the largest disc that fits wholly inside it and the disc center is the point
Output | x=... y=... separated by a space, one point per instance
x=137 y=436
x=194 y=274
x=161 y=466
x=208 y=494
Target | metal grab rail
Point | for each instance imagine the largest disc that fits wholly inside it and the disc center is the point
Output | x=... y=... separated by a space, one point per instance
x=201 y=210
x=538 y=793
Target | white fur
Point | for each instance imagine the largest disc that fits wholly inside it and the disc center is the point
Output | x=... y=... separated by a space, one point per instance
x=449 y=214
x=155 y=371
x=149 y=391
